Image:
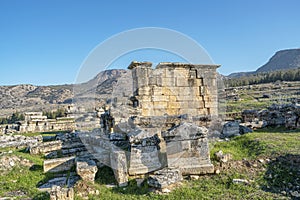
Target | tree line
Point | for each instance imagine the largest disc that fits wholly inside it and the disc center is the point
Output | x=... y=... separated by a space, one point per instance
x=16 y=116
x=264 y=77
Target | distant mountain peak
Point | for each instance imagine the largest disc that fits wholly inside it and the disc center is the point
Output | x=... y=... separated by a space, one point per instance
x=281 y=60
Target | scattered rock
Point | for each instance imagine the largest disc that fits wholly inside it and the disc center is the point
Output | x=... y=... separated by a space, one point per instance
x=59 y=193
x=86 y=169
x=164 y=178
x=223 y=157
x=240 y=181
x=231 y=129
x=139 y=181
x=194 y=177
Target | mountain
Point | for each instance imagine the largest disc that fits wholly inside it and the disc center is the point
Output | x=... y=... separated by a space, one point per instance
x=284 y=59
x=26 y=97
x=281 y=60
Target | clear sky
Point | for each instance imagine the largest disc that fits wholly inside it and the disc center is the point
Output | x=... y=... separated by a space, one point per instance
x=45 y=42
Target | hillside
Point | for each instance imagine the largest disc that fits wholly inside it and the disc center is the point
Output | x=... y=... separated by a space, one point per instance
x=284 y=59
x=281 y=60
x=28 y=97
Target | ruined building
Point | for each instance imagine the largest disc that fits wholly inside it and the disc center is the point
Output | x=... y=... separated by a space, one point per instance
x=164 y=123
x=175 y=89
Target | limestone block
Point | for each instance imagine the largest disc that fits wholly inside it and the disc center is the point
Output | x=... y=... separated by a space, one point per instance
x=174 y=105
x=152 y=80
x=59 y=193
x=160 y=104
x=59 y=164
x=119 y=166
x=182 y=82
x=147 y=112
x=45 y=147
x=144 y=98
x=86 y=169
x=168 y=81
x=157 y=91
x=184 y=73
x=146 y=104
x=169 y=73
x=190 y=111
x=165 y=177
x=160 y=98
x=185 y=131
x=144 y=160
x=173 y=98
x=231 y=129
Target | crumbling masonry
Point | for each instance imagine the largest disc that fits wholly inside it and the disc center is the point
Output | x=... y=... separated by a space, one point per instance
x=164 y=126
x=175 y=89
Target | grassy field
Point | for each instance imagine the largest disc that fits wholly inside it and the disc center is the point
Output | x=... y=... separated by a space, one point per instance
x=269 y=159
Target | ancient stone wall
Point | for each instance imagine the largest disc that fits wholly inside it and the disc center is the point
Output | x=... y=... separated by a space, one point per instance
x=174 y=89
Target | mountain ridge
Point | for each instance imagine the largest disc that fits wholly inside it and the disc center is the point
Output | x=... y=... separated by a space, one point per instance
x=281 y=60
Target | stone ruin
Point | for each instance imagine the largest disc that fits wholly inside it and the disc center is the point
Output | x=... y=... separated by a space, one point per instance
x=158 y=133
x=287 y=115
x=163 y=126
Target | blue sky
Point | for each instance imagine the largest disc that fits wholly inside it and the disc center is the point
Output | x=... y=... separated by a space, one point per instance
x=45 y=42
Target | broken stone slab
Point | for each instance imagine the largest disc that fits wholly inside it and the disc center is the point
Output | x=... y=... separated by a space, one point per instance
x=62 y=180
x=117 y=136
x=231 y=129
x=59 y=164
x=185 y=131
x=190 y=156
x=19 y=141
x=45 y=147
x=59 y=193
x=144 y=159
x=57 y=181
x=164 y=178
x=118 y=163
x=86 y=169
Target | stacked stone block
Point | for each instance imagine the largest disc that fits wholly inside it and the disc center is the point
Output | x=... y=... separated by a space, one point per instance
x=175 y=89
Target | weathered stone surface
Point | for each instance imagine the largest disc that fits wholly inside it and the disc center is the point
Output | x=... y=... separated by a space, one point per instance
x=220 y=156
x=231 y=129
x=45 y=147
x=19 y=141
x=119 y=166
x=171 y=84
x=165 y=177
x=287 y=115
x=8 y=162
x=86 y=169
x=59 y=164
x=187 y=149
x=59 y=193
x=144 y=159
x=185 y=131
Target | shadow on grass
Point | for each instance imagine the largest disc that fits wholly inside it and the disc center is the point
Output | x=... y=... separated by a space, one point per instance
x=36 y=168
x=283 y=176
x=105 y=175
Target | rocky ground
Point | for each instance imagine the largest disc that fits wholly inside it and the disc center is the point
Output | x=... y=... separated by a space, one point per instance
x=260 y=165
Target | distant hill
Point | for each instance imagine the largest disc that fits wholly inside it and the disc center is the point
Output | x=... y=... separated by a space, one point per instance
x=282 y=60
x=26 y=97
